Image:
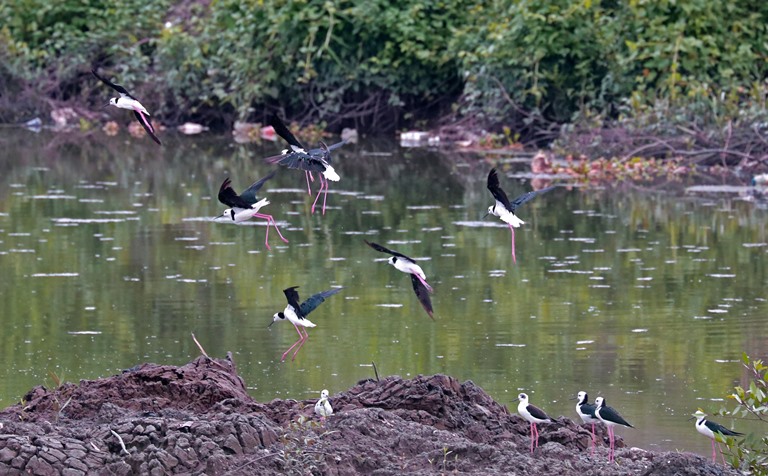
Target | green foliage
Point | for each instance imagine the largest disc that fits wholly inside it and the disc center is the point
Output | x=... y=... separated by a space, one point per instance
x=561 y=59
x=750 y=452
x=364 y=60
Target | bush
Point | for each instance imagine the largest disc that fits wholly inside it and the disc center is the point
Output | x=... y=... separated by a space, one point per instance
x=751 y=403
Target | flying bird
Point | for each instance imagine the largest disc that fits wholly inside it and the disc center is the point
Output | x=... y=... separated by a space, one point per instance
x=533 y=415
x=297 y=314
x=504 y=209
x=246 y=205
x=711 y=429
x=611 y=418
x=313 y=160
x=586 y=412
x=126 y=101
x=408 y=265
x=323 y=406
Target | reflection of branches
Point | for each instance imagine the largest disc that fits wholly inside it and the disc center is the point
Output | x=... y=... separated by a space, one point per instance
x=732 y=145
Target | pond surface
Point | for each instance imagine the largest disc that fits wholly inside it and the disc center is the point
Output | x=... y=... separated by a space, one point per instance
x=110 y=259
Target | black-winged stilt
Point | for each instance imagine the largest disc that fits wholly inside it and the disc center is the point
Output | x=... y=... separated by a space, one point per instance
x=611 y=418
x=586 y=412
x=711 y=429
x=408 y=265
x=246 y=205
x=126 y=101
x=323 y=406
x=297 y=314
x=313 y=160
x=504 y=209
x=533 y=415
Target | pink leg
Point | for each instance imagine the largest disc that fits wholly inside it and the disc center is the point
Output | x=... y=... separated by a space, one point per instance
x=612 y=456
x=325 y=195
x=532 y=435
x=270 y=219
x=308 y=175
x=301 y=338
x=720 y=449
x=512 y=229
x=319 y=191
x=593 y=440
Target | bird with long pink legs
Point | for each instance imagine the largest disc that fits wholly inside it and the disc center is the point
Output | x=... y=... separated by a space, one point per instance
x=586 y=412
x=504 y=209
x=407 y=265
x=533 y=415
x=126 y=101
x=296 y=314
x=246 y=205
x=312 y=160
x=611 y=418
x=712 y=430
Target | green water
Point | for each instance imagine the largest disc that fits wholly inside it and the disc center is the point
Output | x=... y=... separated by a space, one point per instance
x=647 y=298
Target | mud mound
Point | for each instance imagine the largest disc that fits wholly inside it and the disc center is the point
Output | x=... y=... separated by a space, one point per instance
x=198 y=419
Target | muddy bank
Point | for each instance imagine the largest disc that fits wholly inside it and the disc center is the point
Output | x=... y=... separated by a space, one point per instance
x=199 y=419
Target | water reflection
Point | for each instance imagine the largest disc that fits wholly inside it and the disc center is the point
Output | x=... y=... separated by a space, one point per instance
x=111 y=258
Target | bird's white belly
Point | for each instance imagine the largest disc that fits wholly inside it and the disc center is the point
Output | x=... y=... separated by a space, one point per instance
x=410 y=268
x=132 y=104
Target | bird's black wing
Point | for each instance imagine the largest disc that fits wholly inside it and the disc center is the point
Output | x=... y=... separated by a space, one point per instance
x=315 y=300
x=588 y=409
x=293 y=299
x=249 y=195
x=526 y=197
x=537 y=412
x=229 y=197
x=423 y=294
x=382 y=249
x=496 y=191
x=112 y=85
x=718 y=428
x=147 y=125
x=283 y=131
x=297 y=160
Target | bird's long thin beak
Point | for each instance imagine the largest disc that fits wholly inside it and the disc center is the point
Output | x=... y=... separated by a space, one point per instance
x=692 y=418
x=483 y=218
x=270 y=324
x=574 y=398
x=105 y=106
x=218 y=216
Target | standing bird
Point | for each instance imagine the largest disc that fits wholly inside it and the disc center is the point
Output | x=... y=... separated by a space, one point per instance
x=313 y=160
x=126 y=101
x=297 y=314
x=246 y=205
x=611 y=418
x=534 y=415
x=711 y=430
x=586 y=412
x=323 y=406
x=408 y=265
x=505 y=209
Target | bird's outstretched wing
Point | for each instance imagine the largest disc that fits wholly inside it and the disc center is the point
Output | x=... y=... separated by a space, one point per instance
x=229 y=197
x=496 y=191
x=297 y=160
x=249 y=195
x=423 y=294
x=293 y=299
x=284 y=132
x=316 y=299
x=382 y=249
x=147 y=125
x=526 y=197
x=112 y=85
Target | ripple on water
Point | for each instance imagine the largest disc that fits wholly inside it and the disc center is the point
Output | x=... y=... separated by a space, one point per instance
x=55 y=275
